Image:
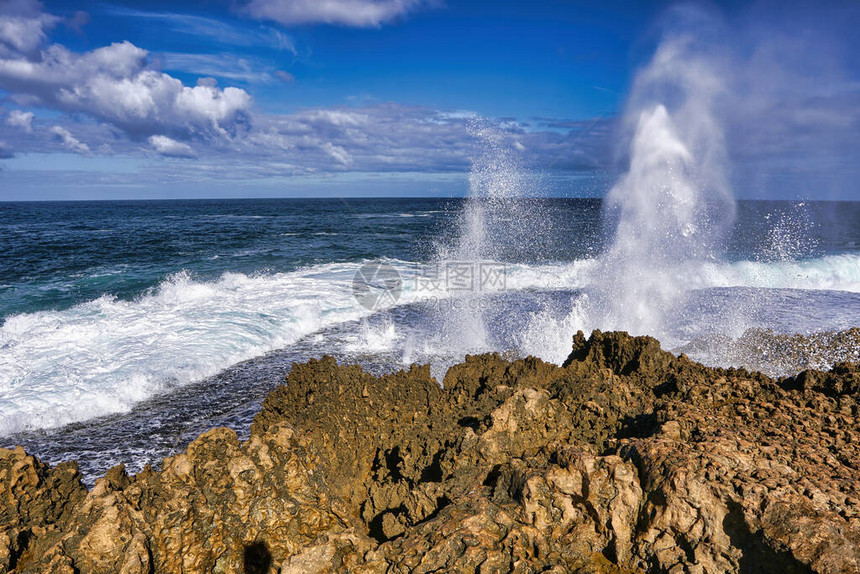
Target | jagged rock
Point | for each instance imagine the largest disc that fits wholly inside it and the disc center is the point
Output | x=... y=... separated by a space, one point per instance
x=624 y=459
x=220 y=506
x=35 y=501
x=843 y=379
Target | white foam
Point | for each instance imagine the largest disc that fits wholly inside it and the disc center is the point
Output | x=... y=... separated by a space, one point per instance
x=833 y=272
x=106 y=355
x=373 y=339
x=103 y=356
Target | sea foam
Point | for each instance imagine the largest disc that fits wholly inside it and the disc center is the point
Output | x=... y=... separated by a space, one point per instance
x=103 y=356
x=106 y=355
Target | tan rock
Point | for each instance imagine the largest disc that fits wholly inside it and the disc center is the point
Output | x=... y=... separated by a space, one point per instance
x=625 y=459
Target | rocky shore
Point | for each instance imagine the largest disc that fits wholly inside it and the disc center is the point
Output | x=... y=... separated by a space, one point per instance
x=624 y=459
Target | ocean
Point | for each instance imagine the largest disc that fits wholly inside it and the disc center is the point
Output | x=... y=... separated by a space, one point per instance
x=129 y=327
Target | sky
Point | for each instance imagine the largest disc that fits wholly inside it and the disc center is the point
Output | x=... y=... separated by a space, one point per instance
x=131 y=99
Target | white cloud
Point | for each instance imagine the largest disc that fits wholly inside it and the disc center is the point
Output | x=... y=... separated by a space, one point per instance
x=340 y=118
x=357 y=13
x=170 y=147
x=114 y=83
x=21 y=120
x=370 y=139
x=385 y=137
x=69 y=141
x=396 y=138
x=214 y=30
x=337 y=153
x=23 y=26
x=223 y=65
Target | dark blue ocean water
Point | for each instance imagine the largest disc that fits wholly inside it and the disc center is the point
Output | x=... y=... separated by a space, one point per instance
x=128 y=327
x=57 y=254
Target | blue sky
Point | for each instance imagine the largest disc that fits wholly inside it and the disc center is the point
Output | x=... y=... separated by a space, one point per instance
x=552 y=60
x=133 y=99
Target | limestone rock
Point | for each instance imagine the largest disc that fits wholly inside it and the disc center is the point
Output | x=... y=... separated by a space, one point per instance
x=624 y=459
x=220 y=506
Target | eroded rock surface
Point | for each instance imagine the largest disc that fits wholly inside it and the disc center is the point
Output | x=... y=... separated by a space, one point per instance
x=624 y=459
x=220 y=506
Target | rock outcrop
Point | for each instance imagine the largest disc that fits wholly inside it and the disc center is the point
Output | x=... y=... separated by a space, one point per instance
x=220 y=506
x=624 y=459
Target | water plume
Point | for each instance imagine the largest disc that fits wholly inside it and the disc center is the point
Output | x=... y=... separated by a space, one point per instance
x=672 y=207
x=494 y=225
x=491 y=226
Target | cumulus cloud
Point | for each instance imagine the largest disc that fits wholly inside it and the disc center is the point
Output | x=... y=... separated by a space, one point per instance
x=398 y=138
x=23 y=26
x=6 y=151
x=69 y=141
x=102 y=138
x=21 y=120
x=114 y=83
x=381 y=138
x=357 y=13
x=414 y=145
x=385 y=137
x=133 y=102
x=170 y=147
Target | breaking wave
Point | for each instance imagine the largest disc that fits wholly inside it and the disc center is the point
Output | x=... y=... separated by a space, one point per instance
x=106 y=355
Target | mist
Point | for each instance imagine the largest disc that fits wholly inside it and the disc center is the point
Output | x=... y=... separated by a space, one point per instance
x=789 y=102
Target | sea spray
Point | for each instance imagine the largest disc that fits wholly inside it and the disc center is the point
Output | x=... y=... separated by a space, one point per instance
x=493 y=224
x=673 y=206
x=671 y=209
